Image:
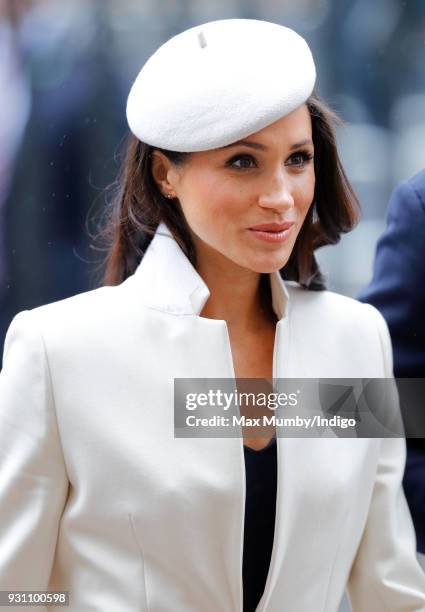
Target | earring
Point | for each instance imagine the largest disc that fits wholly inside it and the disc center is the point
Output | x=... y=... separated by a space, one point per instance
x=169 y=195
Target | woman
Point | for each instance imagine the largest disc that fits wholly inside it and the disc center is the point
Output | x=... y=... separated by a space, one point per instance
x=98 y=496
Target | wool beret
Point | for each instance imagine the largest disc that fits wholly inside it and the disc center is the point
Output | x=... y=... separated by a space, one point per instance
x=218 y=82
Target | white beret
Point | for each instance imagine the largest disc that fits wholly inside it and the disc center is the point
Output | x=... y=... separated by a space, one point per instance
x=218 y=82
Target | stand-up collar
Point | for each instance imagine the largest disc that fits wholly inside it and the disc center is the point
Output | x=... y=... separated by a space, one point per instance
x=171 y=283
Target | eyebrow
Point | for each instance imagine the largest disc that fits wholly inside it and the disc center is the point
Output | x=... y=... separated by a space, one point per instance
x=261 y=147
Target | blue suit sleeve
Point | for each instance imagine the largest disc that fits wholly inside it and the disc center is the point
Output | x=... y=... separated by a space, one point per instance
x=397 y=288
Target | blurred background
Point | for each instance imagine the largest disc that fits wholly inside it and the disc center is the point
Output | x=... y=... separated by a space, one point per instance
x=65 y=71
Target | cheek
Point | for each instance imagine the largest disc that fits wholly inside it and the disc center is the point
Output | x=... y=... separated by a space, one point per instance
x=220 y=199
x=305 y=192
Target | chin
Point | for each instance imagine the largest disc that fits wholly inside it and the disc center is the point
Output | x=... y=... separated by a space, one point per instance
x=264 y=267
x=267 y=262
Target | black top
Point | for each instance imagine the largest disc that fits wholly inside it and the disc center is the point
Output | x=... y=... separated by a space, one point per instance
x=260 y=508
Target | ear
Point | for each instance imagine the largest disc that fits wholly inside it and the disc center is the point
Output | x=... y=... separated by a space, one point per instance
x=161 y=170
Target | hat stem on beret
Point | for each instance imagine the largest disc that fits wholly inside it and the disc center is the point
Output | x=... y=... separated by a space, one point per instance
x=202 y=41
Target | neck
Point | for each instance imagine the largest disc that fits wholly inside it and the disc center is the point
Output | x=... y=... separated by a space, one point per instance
x=236 y=295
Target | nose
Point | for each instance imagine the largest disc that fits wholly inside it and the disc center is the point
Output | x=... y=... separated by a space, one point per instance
x=277 y=193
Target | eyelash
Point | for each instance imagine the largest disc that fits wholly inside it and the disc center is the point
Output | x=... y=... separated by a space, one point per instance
x=305 y=155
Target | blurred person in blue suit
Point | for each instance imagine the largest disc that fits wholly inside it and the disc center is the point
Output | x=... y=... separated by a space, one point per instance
x=63 y=158
x=397 y=289
x=15 y=108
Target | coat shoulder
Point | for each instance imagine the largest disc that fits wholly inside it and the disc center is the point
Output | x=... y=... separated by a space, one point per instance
x=341 y=309
x=343 y=326
x=86 y=313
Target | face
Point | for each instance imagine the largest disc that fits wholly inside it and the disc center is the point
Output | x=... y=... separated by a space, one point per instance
x=247 y=202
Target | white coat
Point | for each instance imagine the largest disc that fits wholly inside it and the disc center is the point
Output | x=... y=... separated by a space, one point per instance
x=97 y=496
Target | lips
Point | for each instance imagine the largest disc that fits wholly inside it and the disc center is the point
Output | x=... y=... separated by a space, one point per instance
x=273 y=227
x=272 y=233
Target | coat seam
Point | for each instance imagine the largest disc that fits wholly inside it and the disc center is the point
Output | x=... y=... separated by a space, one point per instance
x=52 y=394
x=142 y=557
x=332 y=570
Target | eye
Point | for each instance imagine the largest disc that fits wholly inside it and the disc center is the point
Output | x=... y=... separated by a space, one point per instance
x=300 y=159
x=245 y=158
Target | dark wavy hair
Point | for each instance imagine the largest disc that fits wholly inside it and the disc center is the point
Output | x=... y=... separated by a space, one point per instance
x=139 y=207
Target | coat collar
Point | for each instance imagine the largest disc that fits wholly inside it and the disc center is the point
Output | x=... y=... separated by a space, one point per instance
x=171 y=283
